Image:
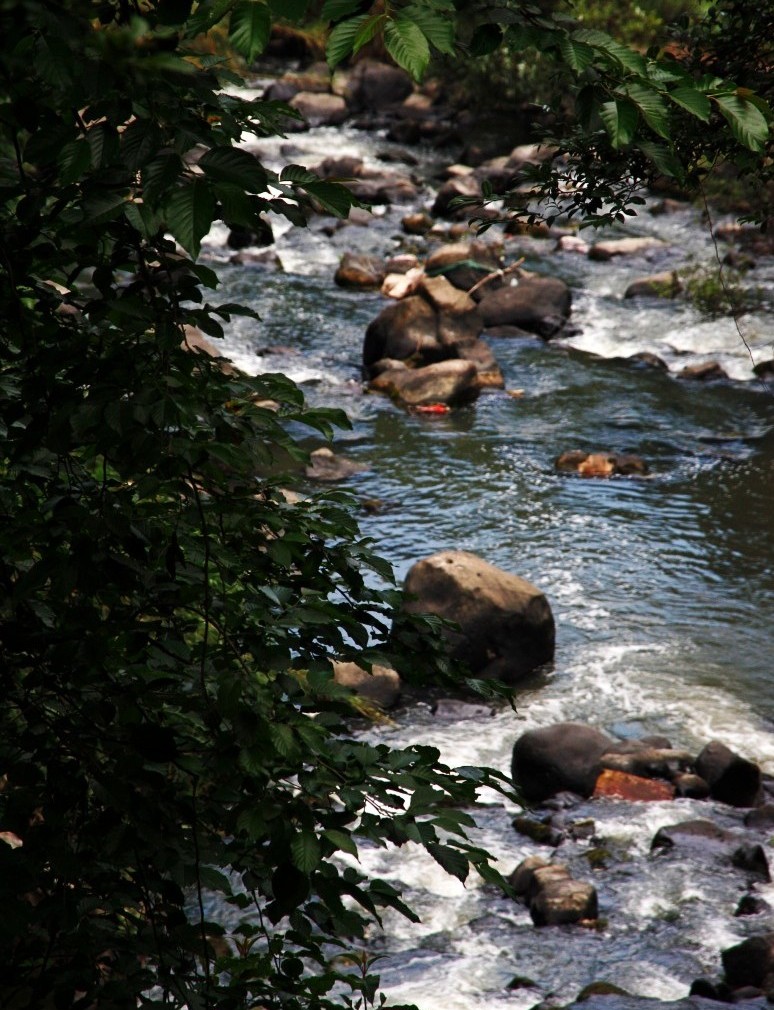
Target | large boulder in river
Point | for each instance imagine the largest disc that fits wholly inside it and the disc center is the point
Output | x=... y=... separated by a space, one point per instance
x=465 y=186
x=320 y=109
x=505 y=625
x=452 y=382
x=538 y=305
x=416 y=330
x=359 y=270
x=558 y=758
x=731 y=779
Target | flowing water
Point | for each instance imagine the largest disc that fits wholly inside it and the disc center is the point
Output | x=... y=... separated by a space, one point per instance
x=662 y=587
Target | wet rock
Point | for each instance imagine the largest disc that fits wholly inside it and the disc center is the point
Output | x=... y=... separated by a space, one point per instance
x=325 y=465
x=466 y=186
x=624 y=786
x=761 y=817
x=196 y=342
x=555 y=758
x=453 y=382
x=405 y=330
x=539 y=305
x=320 y=109
x=692 y=787
x=562 y=900
x=480 y=353
x=610 y=248
x=751 y=904
x=707 y=989
x=359 y=270
x=668 y=206
x=663 y=285
x=402 y=263
x=600 y=464
x=750 y=963
x=507 y=333
x=521 y=879
x=732 y=779
x=541 y=832
x=372 y=85
x=706 y=372
x=599 y=988
x=573 y=244
x=695 y=834
x=382 y=685
x=463 y=264
x=764 y=369
x=417 y=223
x=455 y=710
x=505 y=624
x=752 y=858
x=401 y=285
x=444 y=296
x=648 y=360
x=648 y=762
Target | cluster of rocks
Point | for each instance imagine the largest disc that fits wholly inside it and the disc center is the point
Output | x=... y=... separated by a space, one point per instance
x=552 y=895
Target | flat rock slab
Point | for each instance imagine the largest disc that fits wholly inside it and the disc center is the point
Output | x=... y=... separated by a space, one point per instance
x=624 y=786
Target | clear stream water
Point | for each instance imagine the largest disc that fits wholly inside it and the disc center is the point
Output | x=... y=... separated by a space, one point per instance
x=662 y=588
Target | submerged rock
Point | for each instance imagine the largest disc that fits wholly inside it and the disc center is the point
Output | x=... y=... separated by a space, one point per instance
x=600 y=464
x=326 y=465
x=506 y=628
x=452 y=382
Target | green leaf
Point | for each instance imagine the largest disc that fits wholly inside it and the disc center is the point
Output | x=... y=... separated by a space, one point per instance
x=161 y=175
x=612 y=50
x=74 y=161
x=289 y=10
x=342 y=39
x=652 y=106
x=206 y=16
x=342 y=840
x=437 y=27
x=283 y=739
x=229 y=164
x=452 y=860
x=694 y=101
x=665 y=160
x=408 y=46
x=250 y=28
x=747 y=122
x=620 y=120
x=334 y=9
x=486 y=39
x=189 y=214
x=370 y=27
x=577 y=55
x=305 y=850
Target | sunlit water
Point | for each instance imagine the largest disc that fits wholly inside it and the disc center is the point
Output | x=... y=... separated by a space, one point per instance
x=662 y=587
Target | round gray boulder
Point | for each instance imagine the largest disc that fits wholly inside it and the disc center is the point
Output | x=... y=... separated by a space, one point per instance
x=552 y=759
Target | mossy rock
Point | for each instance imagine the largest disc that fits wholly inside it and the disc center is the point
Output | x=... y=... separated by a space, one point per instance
x=598 y=857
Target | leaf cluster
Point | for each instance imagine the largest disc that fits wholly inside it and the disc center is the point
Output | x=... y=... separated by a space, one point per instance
x=181 y=803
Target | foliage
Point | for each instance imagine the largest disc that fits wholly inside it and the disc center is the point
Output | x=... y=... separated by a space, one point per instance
x=170 y=732
x=717 y=291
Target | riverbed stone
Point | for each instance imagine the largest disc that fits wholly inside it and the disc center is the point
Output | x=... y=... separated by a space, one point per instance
x=539 y=305
x=648 y=762
x=662 y=285
x=381 y=685
x=373 y=84
x=625 y=786
x=360 y=270
x=707 y=371
x=417 y=223
x=452 y=382
x=463 y=264
x=320 y=109
x=600 y=464
x=326 y=465
x=489 y=373
x=731 y=778
x=405 y=330
x=561 y=900
x=698 y=834
x=608 y=249
x=505 y=624
x=458 y=186
x=558 y=758
x=750 y=963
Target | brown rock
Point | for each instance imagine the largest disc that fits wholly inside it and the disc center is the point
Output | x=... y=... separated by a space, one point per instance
x=609 y=248
x=325 y=465
x=382 y=685
x=359 y=270
x=663 y=285
x=373 y=84
x=417 y=224
x=537 y=304
x=505 y=624
x=320 y=109
x=444 y=296
x=600 y=464
x=553 y=759
x=705 y=372
x=732 y=779
x=452 y=189
x=624 y=786
x=464 y=264
x=452 y=382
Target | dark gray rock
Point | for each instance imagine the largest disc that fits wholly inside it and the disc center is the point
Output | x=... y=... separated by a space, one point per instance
x=565 y=756
x=539 y=305
x=732 y=779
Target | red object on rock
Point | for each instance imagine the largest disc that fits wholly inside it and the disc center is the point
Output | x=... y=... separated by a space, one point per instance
x=432 y=408
x=623 y=786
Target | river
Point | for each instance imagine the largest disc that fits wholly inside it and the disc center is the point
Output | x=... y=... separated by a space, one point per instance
x=662 y=588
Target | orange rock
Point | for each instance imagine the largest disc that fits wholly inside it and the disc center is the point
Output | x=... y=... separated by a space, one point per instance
x=624 y=786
